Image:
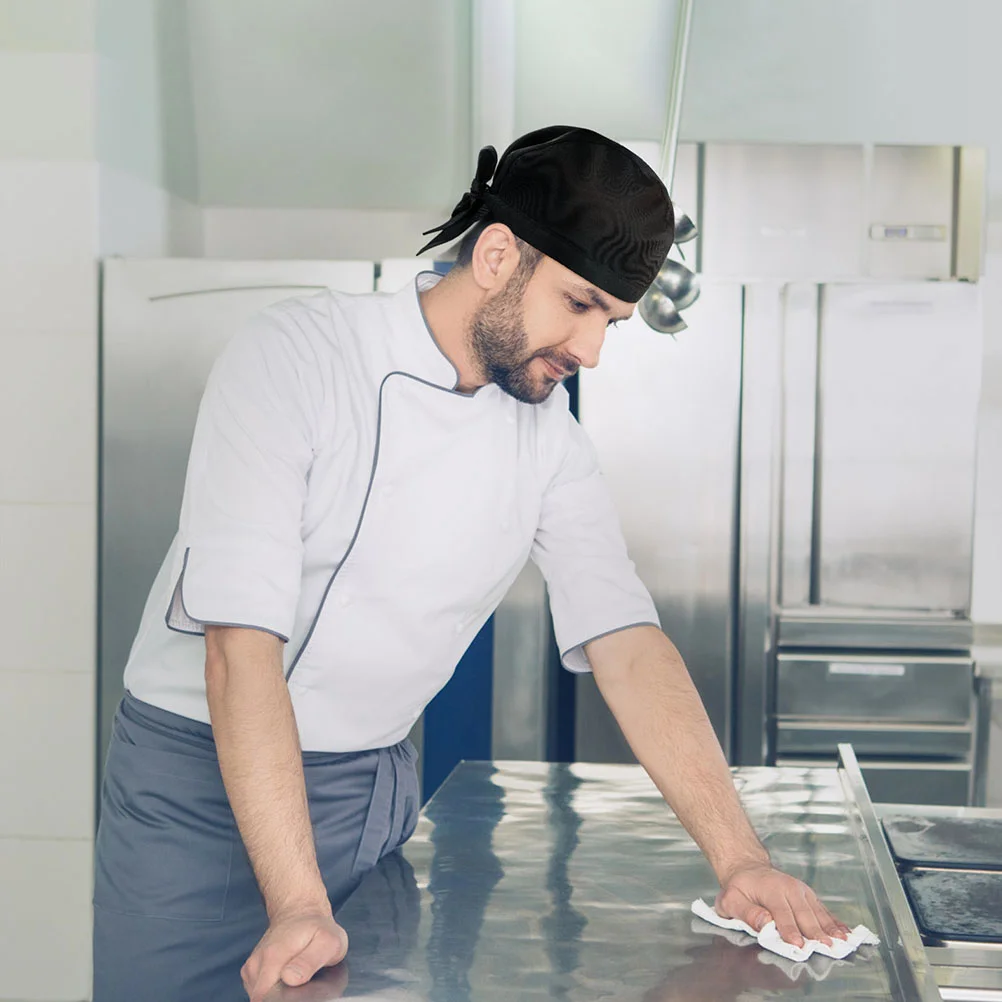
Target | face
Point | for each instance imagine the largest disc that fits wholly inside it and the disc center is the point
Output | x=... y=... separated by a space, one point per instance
x=540 y=328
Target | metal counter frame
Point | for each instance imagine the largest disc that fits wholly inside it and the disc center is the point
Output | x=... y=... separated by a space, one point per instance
x=896 y=924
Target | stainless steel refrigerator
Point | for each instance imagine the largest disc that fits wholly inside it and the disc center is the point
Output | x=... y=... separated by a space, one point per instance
x=796 y=480
x=796 y=471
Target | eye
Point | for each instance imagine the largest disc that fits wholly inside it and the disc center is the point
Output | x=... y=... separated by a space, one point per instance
x=577 y=306
x=612 y=323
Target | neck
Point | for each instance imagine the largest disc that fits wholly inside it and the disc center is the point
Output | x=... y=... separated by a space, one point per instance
x=448 y=308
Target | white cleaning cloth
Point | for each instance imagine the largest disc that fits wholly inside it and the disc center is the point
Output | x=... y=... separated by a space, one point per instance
x=817 y=968
x=769 y=938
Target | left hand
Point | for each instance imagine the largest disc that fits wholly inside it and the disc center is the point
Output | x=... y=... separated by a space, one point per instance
x=758 y=893
x=328 y=984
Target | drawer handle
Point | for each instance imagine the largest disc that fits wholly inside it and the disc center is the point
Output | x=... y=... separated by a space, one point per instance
x=865 y=668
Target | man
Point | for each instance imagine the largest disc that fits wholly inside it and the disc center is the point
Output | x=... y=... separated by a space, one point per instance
x=367 y=477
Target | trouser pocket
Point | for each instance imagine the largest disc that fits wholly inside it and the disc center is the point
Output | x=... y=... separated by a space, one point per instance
x=166 y=836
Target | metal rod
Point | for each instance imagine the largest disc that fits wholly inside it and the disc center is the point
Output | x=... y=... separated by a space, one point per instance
x=814 y=596
x=673 y=119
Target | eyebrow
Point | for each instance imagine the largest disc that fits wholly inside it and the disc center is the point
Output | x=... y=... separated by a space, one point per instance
x=591 y=293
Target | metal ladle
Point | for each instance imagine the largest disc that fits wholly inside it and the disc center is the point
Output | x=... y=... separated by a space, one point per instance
x=659 y=312
x=678 y=283
x=685 y=230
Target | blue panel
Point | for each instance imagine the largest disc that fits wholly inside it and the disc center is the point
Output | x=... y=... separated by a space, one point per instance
x=457 y=722
x=561 y=689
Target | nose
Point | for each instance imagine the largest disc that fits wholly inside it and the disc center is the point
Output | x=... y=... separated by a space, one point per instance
x=587 y=346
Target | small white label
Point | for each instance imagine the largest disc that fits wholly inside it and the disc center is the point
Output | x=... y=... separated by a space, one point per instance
x=865 y=668
x=908 y=231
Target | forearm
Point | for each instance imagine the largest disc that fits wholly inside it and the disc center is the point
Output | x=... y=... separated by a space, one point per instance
x=261 y=763
x=645 y=682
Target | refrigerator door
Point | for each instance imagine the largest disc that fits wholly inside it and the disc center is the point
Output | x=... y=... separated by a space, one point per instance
x=899 y=381
x=663 y=415
x=163 y=323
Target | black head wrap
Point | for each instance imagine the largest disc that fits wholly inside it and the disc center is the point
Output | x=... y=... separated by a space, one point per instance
x=578 y=197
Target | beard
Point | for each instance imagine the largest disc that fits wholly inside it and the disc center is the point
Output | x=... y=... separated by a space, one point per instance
x=500 y=342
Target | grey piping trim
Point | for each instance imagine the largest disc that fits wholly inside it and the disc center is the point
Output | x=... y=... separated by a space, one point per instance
x=431 y=333
x=365 y=503
x=599 y=636
x=179 y=592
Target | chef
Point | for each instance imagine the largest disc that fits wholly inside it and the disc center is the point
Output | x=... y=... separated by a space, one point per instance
x=367 y=477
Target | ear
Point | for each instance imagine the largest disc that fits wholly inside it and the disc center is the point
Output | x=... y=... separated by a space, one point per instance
x=495 y=258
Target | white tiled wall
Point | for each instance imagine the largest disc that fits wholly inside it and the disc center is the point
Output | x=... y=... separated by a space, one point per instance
x=48 y=488
x=48 y=211
x=56 y=88
x=47 y=397
x=48 y=436
x=47 y=587
x=45 y=886
x=60 y=210
x=46 y=772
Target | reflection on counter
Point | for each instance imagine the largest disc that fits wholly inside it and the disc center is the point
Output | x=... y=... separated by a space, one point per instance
x=535 y=881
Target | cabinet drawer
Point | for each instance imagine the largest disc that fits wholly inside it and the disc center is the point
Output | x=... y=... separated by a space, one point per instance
x=822 y=737
x=857 y=687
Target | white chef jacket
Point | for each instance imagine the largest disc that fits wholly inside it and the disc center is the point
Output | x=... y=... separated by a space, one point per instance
x=343 y=495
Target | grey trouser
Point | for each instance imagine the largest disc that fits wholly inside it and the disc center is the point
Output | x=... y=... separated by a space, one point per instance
x=177 y=910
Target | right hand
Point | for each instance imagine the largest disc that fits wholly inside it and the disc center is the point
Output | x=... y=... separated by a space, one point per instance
x=296 y=946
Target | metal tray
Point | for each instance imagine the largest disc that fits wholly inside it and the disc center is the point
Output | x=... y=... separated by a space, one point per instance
x=966 y=843
x=957 y=906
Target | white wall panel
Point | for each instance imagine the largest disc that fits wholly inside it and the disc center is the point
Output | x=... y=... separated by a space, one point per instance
x=48 y=419
x=48 y=215
x=320 y=104
x=47 y=588
x=45 y=921
x=47 y=25
x=604 y=64
x=47 y=105
x=47 y=721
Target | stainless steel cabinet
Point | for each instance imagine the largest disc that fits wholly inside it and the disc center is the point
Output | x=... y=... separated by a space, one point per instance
x=863 y=687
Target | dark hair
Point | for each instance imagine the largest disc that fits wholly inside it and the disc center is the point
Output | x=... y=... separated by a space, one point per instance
x=529 y=257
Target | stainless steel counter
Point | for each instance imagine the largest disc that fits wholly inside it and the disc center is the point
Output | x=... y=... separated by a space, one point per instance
x=534 y=881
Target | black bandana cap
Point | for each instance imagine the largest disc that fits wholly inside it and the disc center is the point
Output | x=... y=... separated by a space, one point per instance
x=578 y=197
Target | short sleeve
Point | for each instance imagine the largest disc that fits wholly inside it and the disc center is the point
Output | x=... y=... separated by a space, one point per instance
x=593 y=585
x=241 y=518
